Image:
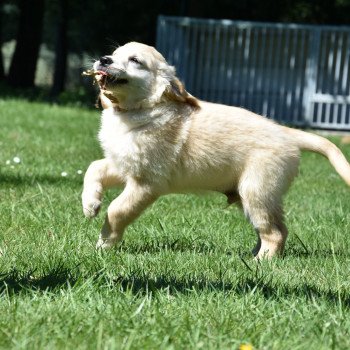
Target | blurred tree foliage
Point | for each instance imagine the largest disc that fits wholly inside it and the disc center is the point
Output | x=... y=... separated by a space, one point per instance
x=2 y=73
x=97 y=27
x=28 y=40
x=61 y=48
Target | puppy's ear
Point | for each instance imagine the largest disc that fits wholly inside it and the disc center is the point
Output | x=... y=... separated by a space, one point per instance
x=176 y=91
x=172 y=88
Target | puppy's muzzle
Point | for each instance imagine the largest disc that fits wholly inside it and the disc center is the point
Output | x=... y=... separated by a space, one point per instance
x=109 y=75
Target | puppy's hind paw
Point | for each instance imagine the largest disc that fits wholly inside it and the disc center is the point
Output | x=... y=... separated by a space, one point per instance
x=105 y=243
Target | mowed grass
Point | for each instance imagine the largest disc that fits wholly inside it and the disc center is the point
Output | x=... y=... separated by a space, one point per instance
x=183 y=277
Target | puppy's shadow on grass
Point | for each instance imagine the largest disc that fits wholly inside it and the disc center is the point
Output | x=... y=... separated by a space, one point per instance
x=16 y=281
x=246 y=286
x=201 y=245
x=179 y=245
x=60 y=278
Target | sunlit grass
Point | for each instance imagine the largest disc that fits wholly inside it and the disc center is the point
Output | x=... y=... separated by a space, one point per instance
x=183 y=277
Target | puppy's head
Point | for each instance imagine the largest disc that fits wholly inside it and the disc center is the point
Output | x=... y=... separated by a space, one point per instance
x=137 y=75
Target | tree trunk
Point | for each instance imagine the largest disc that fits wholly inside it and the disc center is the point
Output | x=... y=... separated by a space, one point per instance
x=61 y=50
x=24 y=60
x=2 y=72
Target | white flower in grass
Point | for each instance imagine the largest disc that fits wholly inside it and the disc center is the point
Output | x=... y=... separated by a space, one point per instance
x=64 y=174
x=16 y=160
x=79 y=172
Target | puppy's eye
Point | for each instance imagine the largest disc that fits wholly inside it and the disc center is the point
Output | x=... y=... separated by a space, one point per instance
x=134 y=59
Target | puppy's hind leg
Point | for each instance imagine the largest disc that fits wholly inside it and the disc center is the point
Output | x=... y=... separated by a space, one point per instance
x=123 y=210
x=100 y=175
x=268 y=223
x=271 y=230
x=261 y=195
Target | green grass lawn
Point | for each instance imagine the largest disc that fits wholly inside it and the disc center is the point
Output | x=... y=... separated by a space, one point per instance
x=183 y=277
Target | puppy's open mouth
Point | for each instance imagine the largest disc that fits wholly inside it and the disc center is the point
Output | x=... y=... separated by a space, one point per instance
x=105 y=78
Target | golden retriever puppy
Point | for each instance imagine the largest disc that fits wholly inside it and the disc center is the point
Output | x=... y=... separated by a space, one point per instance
x=158 y=139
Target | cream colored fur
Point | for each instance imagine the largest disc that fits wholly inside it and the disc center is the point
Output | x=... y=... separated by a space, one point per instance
x=158 y=139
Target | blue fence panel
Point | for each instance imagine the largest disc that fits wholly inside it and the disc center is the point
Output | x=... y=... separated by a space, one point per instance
x=295 y=74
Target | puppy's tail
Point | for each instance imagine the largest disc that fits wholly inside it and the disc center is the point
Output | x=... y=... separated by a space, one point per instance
x=311 y=142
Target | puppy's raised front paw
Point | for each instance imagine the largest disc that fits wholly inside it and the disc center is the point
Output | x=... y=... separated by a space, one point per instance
x=91 y=208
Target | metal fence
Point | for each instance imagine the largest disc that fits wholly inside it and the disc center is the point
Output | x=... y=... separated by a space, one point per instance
x=295 y=74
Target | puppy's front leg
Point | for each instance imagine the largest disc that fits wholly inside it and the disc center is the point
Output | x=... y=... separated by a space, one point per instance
x=100 y=175
x=123 y=210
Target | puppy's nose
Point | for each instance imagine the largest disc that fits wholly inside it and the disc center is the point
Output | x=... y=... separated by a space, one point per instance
x=105 y=61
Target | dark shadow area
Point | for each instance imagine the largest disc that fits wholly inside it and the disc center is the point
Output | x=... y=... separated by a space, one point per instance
x=247 y=284
x=174 y=245
x=201 y=246
x=73 y=42
x=15 y=282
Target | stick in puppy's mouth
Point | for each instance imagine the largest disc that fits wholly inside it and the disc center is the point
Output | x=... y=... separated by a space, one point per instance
x=104 y=77
x=99 y=76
